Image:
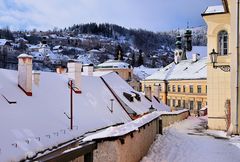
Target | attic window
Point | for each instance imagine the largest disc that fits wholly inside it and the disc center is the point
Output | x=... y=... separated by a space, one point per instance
x=128 y=96
x=137 y=96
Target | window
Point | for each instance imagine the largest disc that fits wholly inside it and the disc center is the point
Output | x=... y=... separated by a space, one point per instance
x=173 y=103
x=191 y=105
x=206 y=89
x=179 y=88
x=191 y=88
x=184 y=88
x=223 y=42
x=168 y=88
x=199 y=89
x=173 y=88
x=160 y=88
x=183 y=103
x=179 y=103
x=169 y=102
x=199 y=105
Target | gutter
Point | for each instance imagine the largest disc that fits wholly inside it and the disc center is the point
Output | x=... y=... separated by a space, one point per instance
x=237 y=86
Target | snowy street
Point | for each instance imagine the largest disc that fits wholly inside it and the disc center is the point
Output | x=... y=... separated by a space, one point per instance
x=189 y=141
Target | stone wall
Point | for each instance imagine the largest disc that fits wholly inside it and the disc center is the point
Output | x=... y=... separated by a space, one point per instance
x=130 y=148
x=168 y=119
x=135 y=145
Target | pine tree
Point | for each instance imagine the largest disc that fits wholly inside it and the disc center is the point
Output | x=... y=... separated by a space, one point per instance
x=133 y=60
x=118 y=53
x=140 y=58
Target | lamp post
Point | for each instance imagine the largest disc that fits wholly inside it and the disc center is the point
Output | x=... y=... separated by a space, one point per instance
x=213 y=58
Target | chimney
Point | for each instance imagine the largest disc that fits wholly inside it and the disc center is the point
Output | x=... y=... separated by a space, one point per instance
x=178 y=55
x=88 y=69
x=61 y=70
x=74 y=73
x=195 y=57
x=25 y=73
x=36 y=77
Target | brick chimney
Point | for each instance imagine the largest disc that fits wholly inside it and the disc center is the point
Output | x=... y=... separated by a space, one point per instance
x=61 y=70
x=74 y=73
x=25 y=73
x=88 y=69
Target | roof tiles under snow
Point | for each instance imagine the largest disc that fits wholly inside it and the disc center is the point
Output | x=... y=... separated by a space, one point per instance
x=184 y=70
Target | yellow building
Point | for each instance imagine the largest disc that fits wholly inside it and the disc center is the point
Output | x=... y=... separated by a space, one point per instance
x=181 y=84
x=222 y=73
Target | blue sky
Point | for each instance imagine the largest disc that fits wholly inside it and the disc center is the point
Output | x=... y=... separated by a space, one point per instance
x=154 y=15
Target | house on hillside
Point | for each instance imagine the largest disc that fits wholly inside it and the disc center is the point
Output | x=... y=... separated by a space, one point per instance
x=7 y=57
x=73 y=105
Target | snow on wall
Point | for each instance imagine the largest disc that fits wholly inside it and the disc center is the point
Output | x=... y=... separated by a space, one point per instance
x=128 y=127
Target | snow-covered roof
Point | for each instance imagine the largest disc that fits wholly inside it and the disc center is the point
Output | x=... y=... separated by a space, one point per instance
x=119 y=86
x=114 y=64
x=38 y=122
x=201 y=50
x=142 y=72
x=214 y=9
x=3 y=42
x=184 y=70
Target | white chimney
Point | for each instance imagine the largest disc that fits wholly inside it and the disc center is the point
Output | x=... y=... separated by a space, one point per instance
x=178 y=55
x=74 y=73
x=36 y=77
x=88 y=70
x=195 y=57
x=25 y=73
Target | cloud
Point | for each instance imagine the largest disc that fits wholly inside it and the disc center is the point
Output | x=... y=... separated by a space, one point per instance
x=153 y=15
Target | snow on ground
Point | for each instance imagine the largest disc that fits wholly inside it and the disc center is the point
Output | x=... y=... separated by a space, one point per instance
x=188 y=141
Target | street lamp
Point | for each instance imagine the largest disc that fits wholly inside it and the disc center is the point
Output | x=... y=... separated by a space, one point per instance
x=213 y=58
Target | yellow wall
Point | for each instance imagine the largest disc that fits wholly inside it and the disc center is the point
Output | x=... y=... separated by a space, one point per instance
x=165 y=95
x=126 y=74
x=218 y=81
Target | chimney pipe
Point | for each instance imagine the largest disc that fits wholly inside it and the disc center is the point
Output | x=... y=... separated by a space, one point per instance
x=88 y=70
x=25 y=73
x=74 y=73
x=36 y=77
x=195 y=57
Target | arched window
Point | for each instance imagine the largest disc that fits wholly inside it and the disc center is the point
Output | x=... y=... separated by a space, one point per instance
x=223 y=42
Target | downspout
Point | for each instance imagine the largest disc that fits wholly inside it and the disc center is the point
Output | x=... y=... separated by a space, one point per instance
x=237 y=86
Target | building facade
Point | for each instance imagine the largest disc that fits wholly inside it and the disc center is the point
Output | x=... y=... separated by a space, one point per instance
x=180 y=85
x=222 y=73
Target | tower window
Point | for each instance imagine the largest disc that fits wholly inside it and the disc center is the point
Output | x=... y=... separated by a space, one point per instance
x=223 y=42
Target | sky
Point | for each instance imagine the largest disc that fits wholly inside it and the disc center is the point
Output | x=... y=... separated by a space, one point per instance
x=153 y=15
